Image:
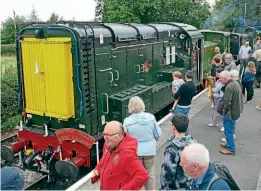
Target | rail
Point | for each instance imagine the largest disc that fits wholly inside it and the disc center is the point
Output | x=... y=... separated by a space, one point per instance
x=86 y=178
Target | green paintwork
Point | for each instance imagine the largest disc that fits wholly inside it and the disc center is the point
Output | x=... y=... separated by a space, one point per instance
x=208 y=55
x=113 y=68
x=222 y=38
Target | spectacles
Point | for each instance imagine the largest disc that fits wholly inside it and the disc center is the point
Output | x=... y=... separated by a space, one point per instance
x=109 y=135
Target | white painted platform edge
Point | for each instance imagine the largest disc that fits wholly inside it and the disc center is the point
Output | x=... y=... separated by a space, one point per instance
x=80 y=182
x=87 y=177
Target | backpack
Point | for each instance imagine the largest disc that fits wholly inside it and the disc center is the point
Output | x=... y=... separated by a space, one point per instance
x=221 y=172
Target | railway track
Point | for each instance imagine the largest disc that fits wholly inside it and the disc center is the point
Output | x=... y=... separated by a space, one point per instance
x=31 y=178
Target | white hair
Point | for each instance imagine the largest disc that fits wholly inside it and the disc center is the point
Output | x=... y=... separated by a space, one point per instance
x=234 y=73
x=197 y=154
x=225 y=74
x=229 y=56
x=136 y=105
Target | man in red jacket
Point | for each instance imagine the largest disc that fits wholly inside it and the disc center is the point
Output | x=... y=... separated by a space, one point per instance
x=120 y=167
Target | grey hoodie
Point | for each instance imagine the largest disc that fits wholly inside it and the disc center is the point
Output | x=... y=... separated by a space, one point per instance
x=230 y=66
x=172 y=176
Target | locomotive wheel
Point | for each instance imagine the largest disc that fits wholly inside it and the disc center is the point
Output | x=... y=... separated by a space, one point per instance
x=67 y=169
x=7 y=153
x=32 y=163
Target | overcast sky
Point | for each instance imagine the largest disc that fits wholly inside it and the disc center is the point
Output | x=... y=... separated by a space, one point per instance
x=81 y=10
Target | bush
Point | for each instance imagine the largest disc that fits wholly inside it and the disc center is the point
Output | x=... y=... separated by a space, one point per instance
x=10 y=123
x=8 y=49
x=9 y=97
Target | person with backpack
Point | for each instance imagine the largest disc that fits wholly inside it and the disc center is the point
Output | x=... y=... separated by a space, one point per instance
x=172 y=176
x=195 y=162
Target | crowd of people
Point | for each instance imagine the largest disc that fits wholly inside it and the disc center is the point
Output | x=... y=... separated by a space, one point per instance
x=128 y=162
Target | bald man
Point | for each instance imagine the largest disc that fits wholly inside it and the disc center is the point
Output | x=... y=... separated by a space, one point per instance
x=195 y=162
x=217 y=54
x=120 y=167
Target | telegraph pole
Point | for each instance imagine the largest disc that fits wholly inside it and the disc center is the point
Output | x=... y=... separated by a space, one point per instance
x=14 y=25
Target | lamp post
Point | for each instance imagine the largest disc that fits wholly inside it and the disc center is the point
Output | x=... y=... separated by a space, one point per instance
x=14 y=25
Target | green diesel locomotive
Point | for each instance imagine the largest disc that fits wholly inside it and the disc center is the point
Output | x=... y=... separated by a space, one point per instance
x=76 y=76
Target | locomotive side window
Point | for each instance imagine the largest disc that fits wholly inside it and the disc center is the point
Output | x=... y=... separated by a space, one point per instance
x=170 y=55
x=216 y=38
x=167 y=55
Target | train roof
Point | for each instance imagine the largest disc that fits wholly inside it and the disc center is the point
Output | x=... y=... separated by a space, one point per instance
x=190 y=30
x=145 y=31
x=218 y=32
x=239 y=34
x=127 y=32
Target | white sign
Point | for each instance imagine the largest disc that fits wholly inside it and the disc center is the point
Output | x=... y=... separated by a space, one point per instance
x=101 y=38
x=36 y=68
x=103 y=119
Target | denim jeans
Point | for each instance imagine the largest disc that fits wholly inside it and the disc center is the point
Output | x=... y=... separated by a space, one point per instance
x=229 y=130
x=182 y=111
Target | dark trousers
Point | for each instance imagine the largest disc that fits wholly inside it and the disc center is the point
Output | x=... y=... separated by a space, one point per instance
x=243 y=87
x=250 y=90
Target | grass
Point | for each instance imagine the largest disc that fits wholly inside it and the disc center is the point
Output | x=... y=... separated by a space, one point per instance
x=8 y=65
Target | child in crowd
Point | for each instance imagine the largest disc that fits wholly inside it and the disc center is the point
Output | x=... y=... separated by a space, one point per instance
x=210 y=84
x=248 y=80
x=176 y=83
x=215 y=64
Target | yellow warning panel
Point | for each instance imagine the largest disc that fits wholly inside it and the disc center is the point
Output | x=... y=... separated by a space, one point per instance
x=48 y=73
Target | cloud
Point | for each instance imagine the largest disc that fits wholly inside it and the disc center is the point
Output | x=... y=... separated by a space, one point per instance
x=82 y=10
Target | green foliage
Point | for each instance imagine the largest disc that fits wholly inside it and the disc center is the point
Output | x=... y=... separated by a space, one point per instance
x=9 y=93
x=10 y=123
x=54 y=18
x=8 y=49
x=146 y=11
x=8 y=31
x=228 y=13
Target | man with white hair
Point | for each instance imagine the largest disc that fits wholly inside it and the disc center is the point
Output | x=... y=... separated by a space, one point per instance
x=232 y=108
x=195 y=162
x=235 y=76
x=229 y=63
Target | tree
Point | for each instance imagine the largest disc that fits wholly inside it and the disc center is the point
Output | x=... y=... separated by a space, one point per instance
x=228 y=13
x=54 y=18
x=146 y=11
x=8 y=28
x=33 y=17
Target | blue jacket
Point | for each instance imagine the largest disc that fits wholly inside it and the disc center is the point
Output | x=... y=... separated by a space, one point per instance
x=216 y=185
x=11 y=179
x=248 y=77
x=143 y=126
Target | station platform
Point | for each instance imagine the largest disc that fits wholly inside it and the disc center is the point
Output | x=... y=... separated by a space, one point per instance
x=244 y=167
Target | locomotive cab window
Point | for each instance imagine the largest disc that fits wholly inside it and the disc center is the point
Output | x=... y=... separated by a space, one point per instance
x=216 y=38
x=186 y=46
